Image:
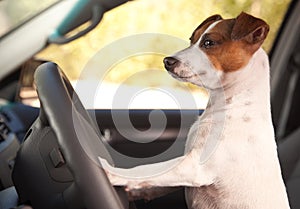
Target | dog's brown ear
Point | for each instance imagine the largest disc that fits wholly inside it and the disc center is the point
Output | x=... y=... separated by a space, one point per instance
x=209 y=19
x=251 y=29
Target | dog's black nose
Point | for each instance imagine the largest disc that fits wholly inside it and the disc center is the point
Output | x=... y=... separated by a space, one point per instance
x=170 y=63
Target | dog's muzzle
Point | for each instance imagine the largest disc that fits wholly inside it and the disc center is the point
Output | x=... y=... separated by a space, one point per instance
x=170 y=63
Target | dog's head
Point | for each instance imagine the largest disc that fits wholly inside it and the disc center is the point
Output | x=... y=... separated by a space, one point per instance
x=218 y=46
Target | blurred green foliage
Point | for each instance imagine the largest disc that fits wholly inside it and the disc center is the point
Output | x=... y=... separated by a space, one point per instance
x=174 y=17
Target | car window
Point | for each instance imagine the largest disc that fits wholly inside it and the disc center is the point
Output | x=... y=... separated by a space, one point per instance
x=15 y=12
x=119 y=64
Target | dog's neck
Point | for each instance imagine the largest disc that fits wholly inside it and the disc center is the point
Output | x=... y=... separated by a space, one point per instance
x=248 y=86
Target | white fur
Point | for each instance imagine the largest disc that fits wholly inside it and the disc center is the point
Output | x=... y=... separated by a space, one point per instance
x=231 y=159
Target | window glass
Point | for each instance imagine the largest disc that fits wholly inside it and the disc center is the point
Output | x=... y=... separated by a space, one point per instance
x=122 y=57
x=15 y=12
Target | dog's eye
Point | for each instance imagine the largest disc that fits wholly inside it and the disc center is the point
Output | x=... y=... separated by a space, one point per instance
x=208 y=43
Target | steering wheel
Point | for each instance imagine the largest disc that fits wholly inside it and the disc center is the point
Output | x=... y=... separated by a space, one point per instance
x=75 y=131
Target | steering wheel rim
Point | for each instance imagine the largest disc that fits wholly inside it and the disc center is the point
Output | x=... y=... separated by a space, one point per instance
x=57 y=98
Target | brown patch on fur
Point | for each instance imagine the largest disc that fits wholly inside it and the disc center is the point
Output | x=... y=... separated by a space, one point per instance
x=204 y=132
x=246 y=118
x=225 y=54
x=202 y=27
x=229 y=100
x=247 y=103
x=228 y=117
x=232 y=42
x=251 y=138
x=251 y=30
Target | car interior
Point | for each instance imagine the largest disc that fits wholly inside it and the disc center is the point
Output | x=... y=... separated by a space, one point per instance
x=285 y=101
x=45 y=162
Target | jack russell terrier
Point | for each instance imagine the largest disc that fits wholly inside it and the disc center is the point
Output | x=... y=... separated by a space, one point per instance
x=240 y=169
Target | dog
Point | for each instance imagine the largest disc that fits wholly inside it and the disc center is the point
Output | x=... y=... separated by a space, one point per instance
x=230 y=159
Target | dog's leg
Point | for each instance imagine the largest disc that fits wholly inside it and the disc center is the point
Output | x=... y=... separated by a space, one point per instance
x=181 y=171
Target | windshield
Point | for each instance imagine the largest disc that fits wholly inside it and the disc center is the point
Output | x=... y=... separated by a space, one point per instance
x=119 y=65
x=13 y=13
